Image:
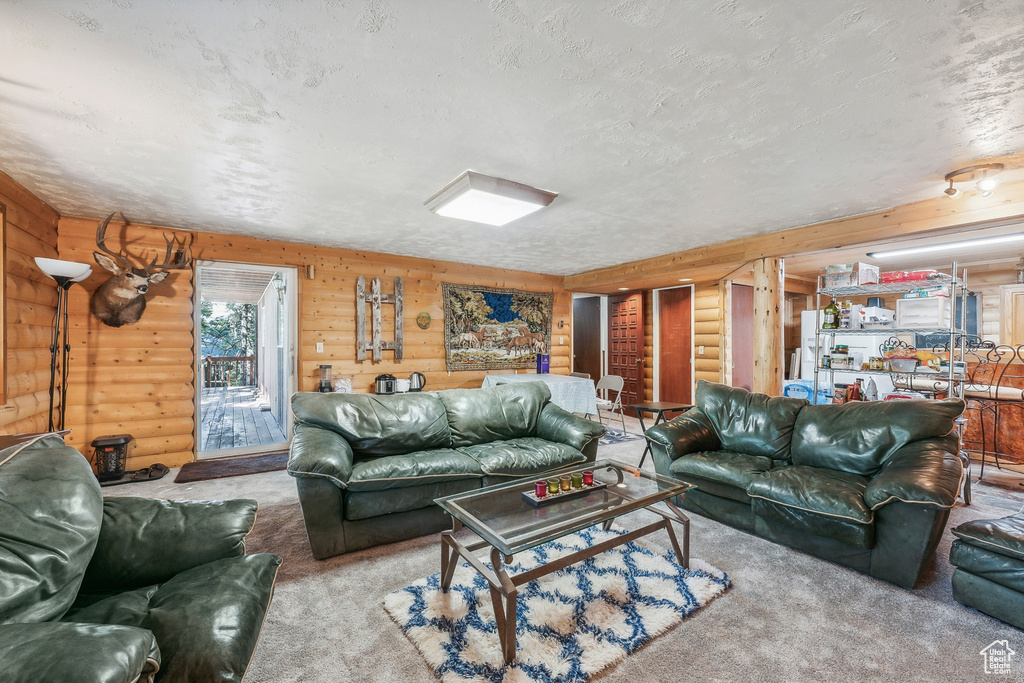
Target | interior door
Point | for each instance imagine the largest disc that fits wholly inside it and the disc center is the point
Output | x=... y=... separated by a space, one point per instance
x=626 y=344
x=675 y=345
x=742 y=328
x=586 y=336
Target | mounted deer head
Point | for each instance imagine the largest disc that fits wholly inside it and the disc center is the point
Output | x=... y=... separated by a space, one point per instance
x=122 y=298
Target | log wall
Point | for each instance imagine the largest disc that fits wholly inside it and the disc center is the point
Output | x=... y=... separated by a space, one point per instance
x=139 y=379
x=31 y=299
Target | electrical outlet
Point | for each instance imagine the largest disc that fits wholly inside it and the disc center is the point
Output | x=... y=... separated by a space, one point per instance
x=320 y=347
x=700 y=350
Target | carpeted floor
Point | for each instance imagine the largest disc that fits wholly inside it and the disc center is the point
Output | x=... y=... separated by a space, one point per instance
x=788 y=617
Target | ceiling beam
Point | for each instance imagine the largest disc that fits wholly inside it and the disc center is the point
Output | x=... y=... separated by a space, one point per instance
x=932 y=217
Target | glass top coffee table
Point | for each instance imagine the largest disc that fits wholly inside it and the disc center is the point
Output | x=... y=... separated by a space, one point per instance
x=509 y=524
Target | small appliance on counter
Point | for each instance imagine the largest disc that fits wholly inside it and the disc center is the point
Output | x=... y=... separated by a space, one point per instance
x=417 y=381
x=326 y=385
x=385 y=384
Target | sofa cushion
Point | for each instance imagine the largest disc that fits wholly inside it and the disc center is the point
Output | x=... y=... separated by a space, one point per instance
x=858 y=437
x=749 y=423
x=377 y=425
x=51 y=509
x=822 y=502
x=722 y=473
x=206 y=619
x=412 y=469
x=98 y=653
x=523 y=457
x=1002 y=569
x=368 y=504
x=505 y=411
x=1004 y=536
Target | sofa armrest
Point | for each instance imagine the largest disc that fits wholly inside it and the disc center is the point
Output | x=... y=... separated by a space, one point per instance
x=561 y=426
x=144 y=541
x=923 y=472
x=58 y=651
x=320 y=453
x=691 y=432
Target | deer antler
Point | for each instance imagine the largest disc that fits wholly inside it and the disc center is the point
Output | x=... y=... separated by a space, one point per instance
x=175 y=247
x=101 y=238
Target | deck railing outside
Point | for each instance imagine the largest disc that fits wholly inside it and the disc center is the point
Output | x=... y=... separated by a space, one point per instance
x=229 y=371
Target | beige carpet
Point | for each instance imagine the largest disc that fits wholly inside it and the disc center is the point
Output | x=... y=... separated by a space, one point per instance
x=789 y=616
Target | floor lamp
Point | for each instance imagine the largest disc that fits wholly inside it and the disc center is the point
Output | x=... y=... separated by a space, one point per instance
x=66 y=273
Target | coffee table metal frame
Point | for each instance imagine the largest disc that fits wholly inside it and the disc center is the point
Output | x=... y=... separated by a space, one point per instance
x=504 y=587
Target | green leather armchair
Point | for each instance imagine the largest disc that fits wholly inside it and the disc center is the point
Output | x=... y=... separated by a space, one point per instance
x=121 y=589
x=368 y=468
x=866 y=485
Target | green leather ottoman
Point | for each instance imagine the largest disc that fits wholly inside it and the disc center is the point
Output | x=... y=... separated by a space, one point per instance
x=989 y=559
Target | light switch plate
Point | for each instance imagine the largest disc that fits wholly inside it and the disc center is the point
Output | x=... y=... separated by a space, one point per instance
x=700 y=350
x=320 y=347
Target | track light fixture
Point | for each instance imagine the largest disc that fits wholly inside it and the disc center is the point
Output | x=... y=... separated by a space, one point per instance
x=982 y=173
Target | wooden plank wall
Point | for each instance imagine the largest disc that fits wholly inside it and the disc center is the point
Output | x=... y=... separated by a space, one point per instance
x=153 y=359
x=987 y=283
x=648 y=346
x=708 y=330
x=31 y=301
x=135 y=379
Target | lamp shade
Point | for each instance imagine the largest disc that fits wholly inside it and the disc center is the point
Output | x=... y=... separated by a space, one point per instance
x=55 y=268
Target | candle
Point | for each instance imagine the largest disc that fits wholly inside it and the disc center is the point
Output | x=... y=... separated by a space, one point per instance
x=566 y=482
x=540 y=488
x=553 y=486
x=577 y=480
x=588 y=478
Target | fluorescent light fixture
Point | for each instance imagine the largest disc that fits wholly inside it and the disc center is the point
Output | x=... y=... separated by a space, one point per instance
x=485 y=199
x=948 y=246
x=623 y=289
x=686 y=279
x=74 y=272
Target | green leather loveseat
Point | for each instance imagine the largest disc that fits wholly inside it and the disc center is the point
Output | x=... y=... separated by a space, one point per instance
x=119 y=590
x=865 y=485
x=368 y=467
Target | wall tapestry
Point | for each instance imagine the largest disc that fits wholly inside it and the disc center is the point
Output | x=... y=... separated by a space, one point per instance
x=486 y=328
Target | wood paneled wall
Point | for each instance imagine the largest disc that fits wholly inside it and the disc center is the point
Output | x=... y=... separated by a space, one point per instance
x=138 y=379
x=708 y=329
x=31 y=301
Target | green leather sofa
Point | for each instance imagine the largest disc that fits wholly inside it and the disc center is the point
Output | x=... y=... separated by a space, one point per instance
x=865 y=485
x=119 y=590
x=368 y=467
x=989 y=558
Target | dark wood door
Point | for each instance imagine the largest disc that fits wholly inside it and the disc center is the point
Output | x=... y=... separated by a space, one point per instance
x=742 y=325
x=586 y=336
x=675 y=345
x=626 y=343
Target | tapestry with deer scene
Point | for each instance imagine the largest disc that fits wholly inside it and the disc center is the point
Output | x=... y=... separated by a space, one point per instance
x=486 y=328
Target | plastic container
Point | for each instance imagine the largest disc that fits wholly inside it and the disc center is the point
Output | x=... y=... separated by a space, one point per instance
x=931 y=312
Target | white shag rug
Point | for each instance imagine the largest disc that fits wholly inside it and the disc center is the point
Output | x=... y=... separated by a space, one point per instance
x=571 y=624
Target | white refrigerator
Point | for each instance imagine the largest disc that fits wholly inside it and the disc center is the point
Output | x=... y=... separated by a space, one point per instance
x=862 y=347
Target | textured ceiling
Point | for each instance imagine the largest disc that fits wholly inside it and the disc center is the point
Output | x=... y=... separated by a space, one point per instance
x=663 y=125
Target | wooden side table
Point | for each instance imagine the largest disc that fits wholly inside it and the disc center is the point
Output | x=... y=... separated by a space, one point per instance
x=658 y=409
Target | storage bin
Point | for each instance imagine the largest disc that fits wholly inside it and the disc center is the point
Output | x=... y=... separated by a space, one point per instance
x=849 y=275
x=919 y=313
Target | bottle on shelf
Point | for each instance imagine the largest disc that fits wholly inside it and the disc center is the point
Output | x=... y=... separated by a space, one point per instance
x=844 y=315
x=831 y=318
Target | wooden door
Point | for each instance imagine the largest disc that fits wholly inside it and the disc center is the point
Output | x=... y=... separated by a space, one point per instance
x=742 y=336
x=1011 y=315
x=586 y=336
x=626 y=344
x=675 y=345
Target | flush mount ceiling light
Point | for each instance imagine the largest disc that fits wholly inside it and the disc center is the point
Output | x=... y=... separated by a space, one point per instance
x=982 y=173
x=485 y=199
x=948 y=246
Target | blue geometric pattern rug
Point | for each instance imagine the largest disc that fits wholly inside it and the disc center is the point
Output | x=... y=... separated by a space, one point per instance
x=571 y=624
x=613 y=436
